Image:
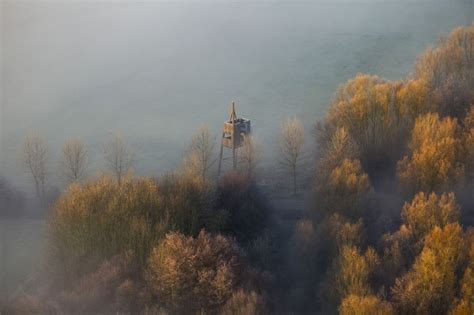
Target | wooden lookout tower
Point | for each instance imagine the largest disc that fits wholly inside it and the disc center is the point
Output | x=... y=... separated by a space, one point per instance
x=233 y=136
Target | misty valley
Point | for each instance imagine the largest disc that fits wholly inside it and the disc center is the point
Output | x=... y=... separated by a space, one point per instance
x=237 y=158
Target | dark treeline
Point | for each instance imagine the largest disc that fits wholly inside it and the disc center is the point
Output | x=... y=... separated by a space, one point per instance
x=388 y=231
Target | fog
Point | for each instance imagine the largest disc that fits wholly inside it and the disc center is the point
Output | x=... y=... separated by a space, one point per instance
x=155 y=71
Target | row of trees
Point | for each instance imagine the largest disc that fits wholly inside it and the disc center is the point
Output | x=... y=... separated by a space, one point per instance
x=119 y=158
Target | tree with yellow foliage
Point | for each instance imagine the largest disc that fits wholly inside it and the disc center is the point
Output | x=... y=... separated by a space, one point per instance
x=427 y=211
x=377 y=115
x=347 y=191
x=434 y=160
x=365 y=305
x=465 y=304
x=430 y=286
x=351 y=273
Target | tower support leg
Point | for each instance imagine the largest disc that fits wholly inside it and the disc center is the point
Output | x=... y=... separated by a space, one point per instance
x=220 y=157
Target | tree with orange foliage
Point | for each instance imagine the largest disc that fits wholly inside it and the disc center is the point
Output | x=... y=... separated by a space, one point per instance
x=347 y=191
x=427 y=211
x=376 y=114
x=365 y=305
x=191 y=275
x=435 y=155
x=351 y=273
x=430 y=286
x=449 y=72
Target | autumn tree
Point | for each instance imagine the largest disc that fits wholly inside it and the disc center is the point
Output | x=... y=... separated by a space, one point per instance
x=368 y=109
x=200 y=156
x=465 y=303
x=434 y=160
x=347 y=191
x=430 y=286
x=119 y=157
x=35 y=155
x=339 y=232
x=427 y=211
x=365 y=305
x=351 y=273
x=290 y=147
x=333 y=151
x=73 y=160
x=448 y=70
x=194 y=274
x=100 y=219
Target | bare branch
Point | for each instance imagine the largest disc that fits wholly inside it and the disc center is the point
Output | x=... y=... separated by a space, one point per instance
x=73 y=160
x=119 y=158
x=34 y=160
x=290 y=146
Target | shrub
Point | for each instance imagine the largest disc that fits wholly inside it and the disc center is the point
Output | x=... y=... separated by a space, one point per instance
x=194 y=274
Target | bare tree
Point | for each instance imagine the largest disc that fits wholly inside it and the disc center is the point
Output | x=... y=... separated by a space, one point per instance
x=73 y=160
x=34 y=159
x=119 y=158
x=200 y=156
x=249 y=155
x=290 y=146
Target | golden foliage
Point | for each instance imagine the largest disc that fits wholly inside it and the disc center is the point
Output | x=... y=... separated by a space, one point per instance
x=192 y=274
x=365 y=305
x=339 y=147
x=427 y=211
x=339 y=233
x=102 y=218
x=347 y=190
x=449 y=71
x=465 y=305
x=352 y=273
x=429 y=287
x=376 y=114
x=435 y=154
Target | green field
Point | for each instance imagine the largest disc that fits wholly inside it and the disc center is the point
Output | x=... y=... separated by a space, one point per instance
x=21 y=248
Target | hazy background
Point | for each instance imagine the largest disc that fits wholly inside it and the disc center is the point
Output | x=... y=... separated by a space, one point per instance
x=157 y=70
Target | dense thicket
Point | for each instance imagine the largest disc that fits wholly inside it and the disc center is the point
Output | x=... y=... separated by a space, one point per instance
x=157 y=226
x=413 y=141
